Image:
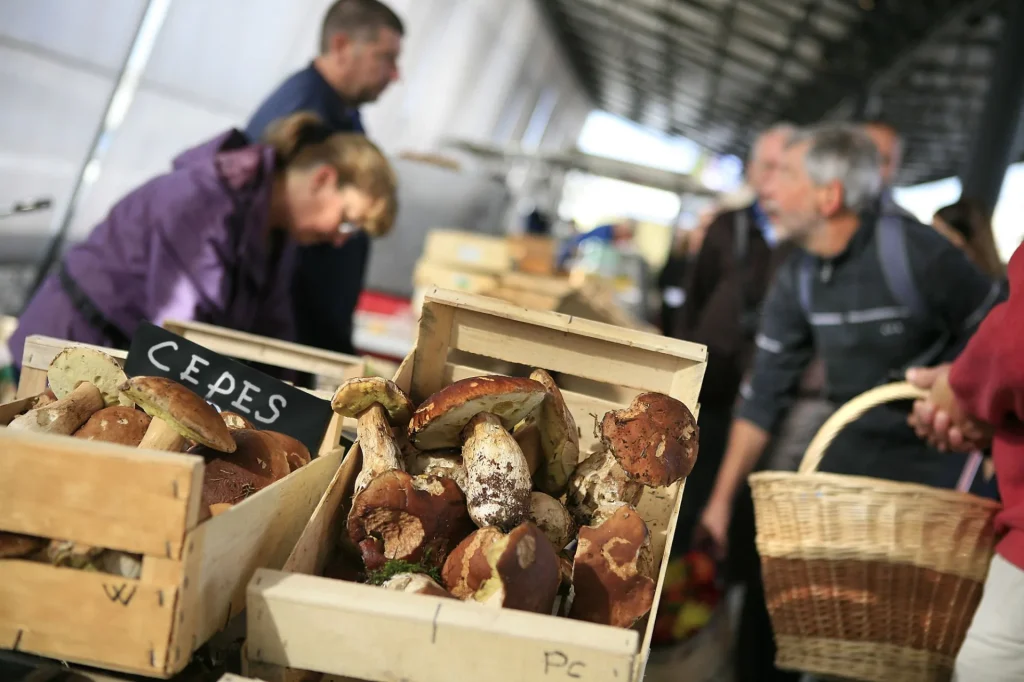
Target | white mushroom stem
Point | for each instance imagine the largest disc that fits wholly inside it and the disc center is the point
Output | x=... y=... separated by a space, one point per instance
x=377 y=443
x=62 y=417
x=498 y=477
x=162 y=436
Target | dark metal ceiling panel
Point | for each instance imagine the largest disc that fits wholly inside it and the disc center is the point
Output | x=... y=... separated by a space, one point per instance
x=718 y=71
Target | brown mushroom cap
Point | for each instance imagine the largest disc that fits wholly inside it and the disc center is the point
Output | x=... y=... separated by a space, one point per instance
x=559 y=438
x=525 y=572
x=466 y=568
x=552 y=518
x=416 y=583
x=233 y=420
x=116 y=424
x=415 y=519
x=258 y=461
x=611 y=573
x=75 y=365
x=16 y=545
x=355 y=396
x=295 y=451
x=527 y=435
x=185 y=411
x=654 y=439
x=599 y=480
x=439 y=421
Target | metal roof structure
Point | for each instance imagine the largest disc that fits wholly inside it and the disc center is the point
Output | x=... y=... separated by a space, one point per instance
x=718 y=71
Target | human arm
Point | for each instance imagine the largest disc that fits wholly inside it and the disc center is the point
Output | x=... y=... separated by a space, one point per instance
x=784 y=349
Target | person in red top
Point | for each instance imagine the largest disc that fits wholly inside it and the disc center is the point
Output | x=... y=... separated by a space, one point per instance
x=976 y=400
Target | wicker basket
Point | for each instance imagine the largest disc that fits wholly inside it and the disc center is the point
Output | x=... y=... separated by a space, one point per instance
x=864 y=578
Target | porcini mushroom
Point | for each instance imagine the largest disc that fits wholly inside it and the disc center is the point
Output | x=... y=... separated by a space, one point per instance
x=17 y=546
x=559 y=439
x=258 y=461
x=416 y=583
x=116 y=424
x=466 y=568
x=599 y=480
x=376 y=404
x=406 y=518
x=524 y=572
x=478 y=413
x=84 y=381
x=527 y=435
x=613 y=568
x=233 y=420
x=652 y=442
x=296 y=452
x=179 y=415
x=552 y=518
x=438 y=463
x=654 y=439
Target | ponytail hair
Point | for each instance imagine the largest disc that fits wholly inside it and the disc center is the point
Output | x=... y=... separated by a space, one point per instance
x=302 y=141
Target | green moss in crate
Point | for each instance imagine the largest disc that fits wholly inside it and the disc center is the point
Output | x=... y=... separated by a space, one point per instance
x=395 y=567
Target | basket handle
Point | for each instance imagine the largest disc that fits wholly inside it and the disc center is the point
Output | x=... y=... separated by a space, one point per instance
x=849 y=413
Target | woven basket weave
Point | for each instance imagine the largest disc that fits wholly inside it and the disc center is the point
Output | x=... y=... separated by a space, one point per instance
x=868 y=579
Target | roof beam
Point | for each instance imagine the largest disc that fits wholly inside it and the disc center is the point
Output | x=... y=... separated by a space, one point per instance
x=714 y=77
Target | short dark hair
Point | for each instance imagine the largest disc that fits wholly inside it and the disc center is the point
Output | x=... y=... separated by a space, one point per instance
x=362 y=18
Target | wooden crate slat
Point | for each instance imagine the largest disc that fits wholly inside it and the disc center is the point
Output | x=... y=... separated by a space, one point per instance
x=429 y=639
x=120 y=498
x=90 y=617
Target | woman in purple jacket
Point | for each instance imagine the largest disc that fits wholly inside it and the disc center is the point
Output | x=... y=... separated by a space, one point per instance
x=213 y=240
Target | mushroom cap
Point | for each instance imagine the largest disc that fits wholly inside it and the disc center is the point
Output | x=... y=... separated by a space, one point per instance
x=229 y=478
x=611 y=574
x=233 y=420
x=355 y=396
x=466 y=568
x=75 y=365
x=116 y=424
x=439 y=421
x=525 y=573
x=552 y=518
x=296 y=451
x=416 y=583
x=399 y=516
x=441 y=464
x=16 y=545
x=559 y=438
x=527 y=434
x=186 y=412
x=654 y=439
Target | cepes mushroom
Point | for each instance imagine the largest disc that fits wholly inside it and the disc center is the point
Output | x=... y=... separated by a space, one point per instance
x=376 y=404
x=84 y=381
x=552 y=518
x=439 y=463
x=17 y=546
x=416 y=583
x=559 y=439
x=296 y=452
x=477 y=413
x=179 y=415
x=524 y=572
x=613 y=568
x=259 y=460
x=653 y=443
x=407 y=518
x=233 y=420
x=116 y=424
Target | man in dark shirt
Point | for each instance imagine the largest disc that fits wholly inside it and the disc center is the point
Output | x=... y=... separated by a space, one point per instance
x=360 y=44
x=833 y=298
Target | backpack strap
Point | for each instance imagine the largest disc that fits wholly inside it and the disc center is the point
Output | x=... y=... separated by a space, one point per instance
x=892 y=254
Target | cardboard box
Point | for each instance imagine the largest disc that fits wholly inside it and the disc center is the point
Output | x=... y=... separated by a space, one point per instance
x=468 y=251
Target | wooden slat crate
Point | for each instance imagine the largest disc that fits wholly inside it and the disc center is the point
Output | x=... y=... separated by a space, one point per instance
x=194 y=574
x=300 y=622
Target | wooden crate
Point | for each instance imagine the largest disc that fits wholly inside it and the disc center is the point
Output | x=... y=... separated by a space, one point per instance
x=298 y=621
x=468 y=251
x=194 y=574
x=41 y=350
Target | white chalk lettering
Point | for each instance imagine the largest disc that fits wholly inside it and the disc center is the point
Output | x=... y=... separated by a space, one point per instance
x=152 y=354
x=277 y=413
x=244 y=396
x=217 y=387
x=192 y=368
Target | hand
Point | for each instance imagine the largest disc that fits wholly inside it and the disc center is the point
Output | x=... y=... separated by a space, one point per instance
x=939 y=419
x=713 y=530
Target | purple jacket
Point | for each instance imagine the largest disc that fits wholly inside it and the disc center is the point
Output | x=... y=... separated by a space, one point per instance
x=193 y=244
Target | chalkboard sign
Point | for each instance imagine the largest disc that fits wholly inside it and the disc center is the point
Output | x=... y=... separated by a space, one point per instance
x=229 y=385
